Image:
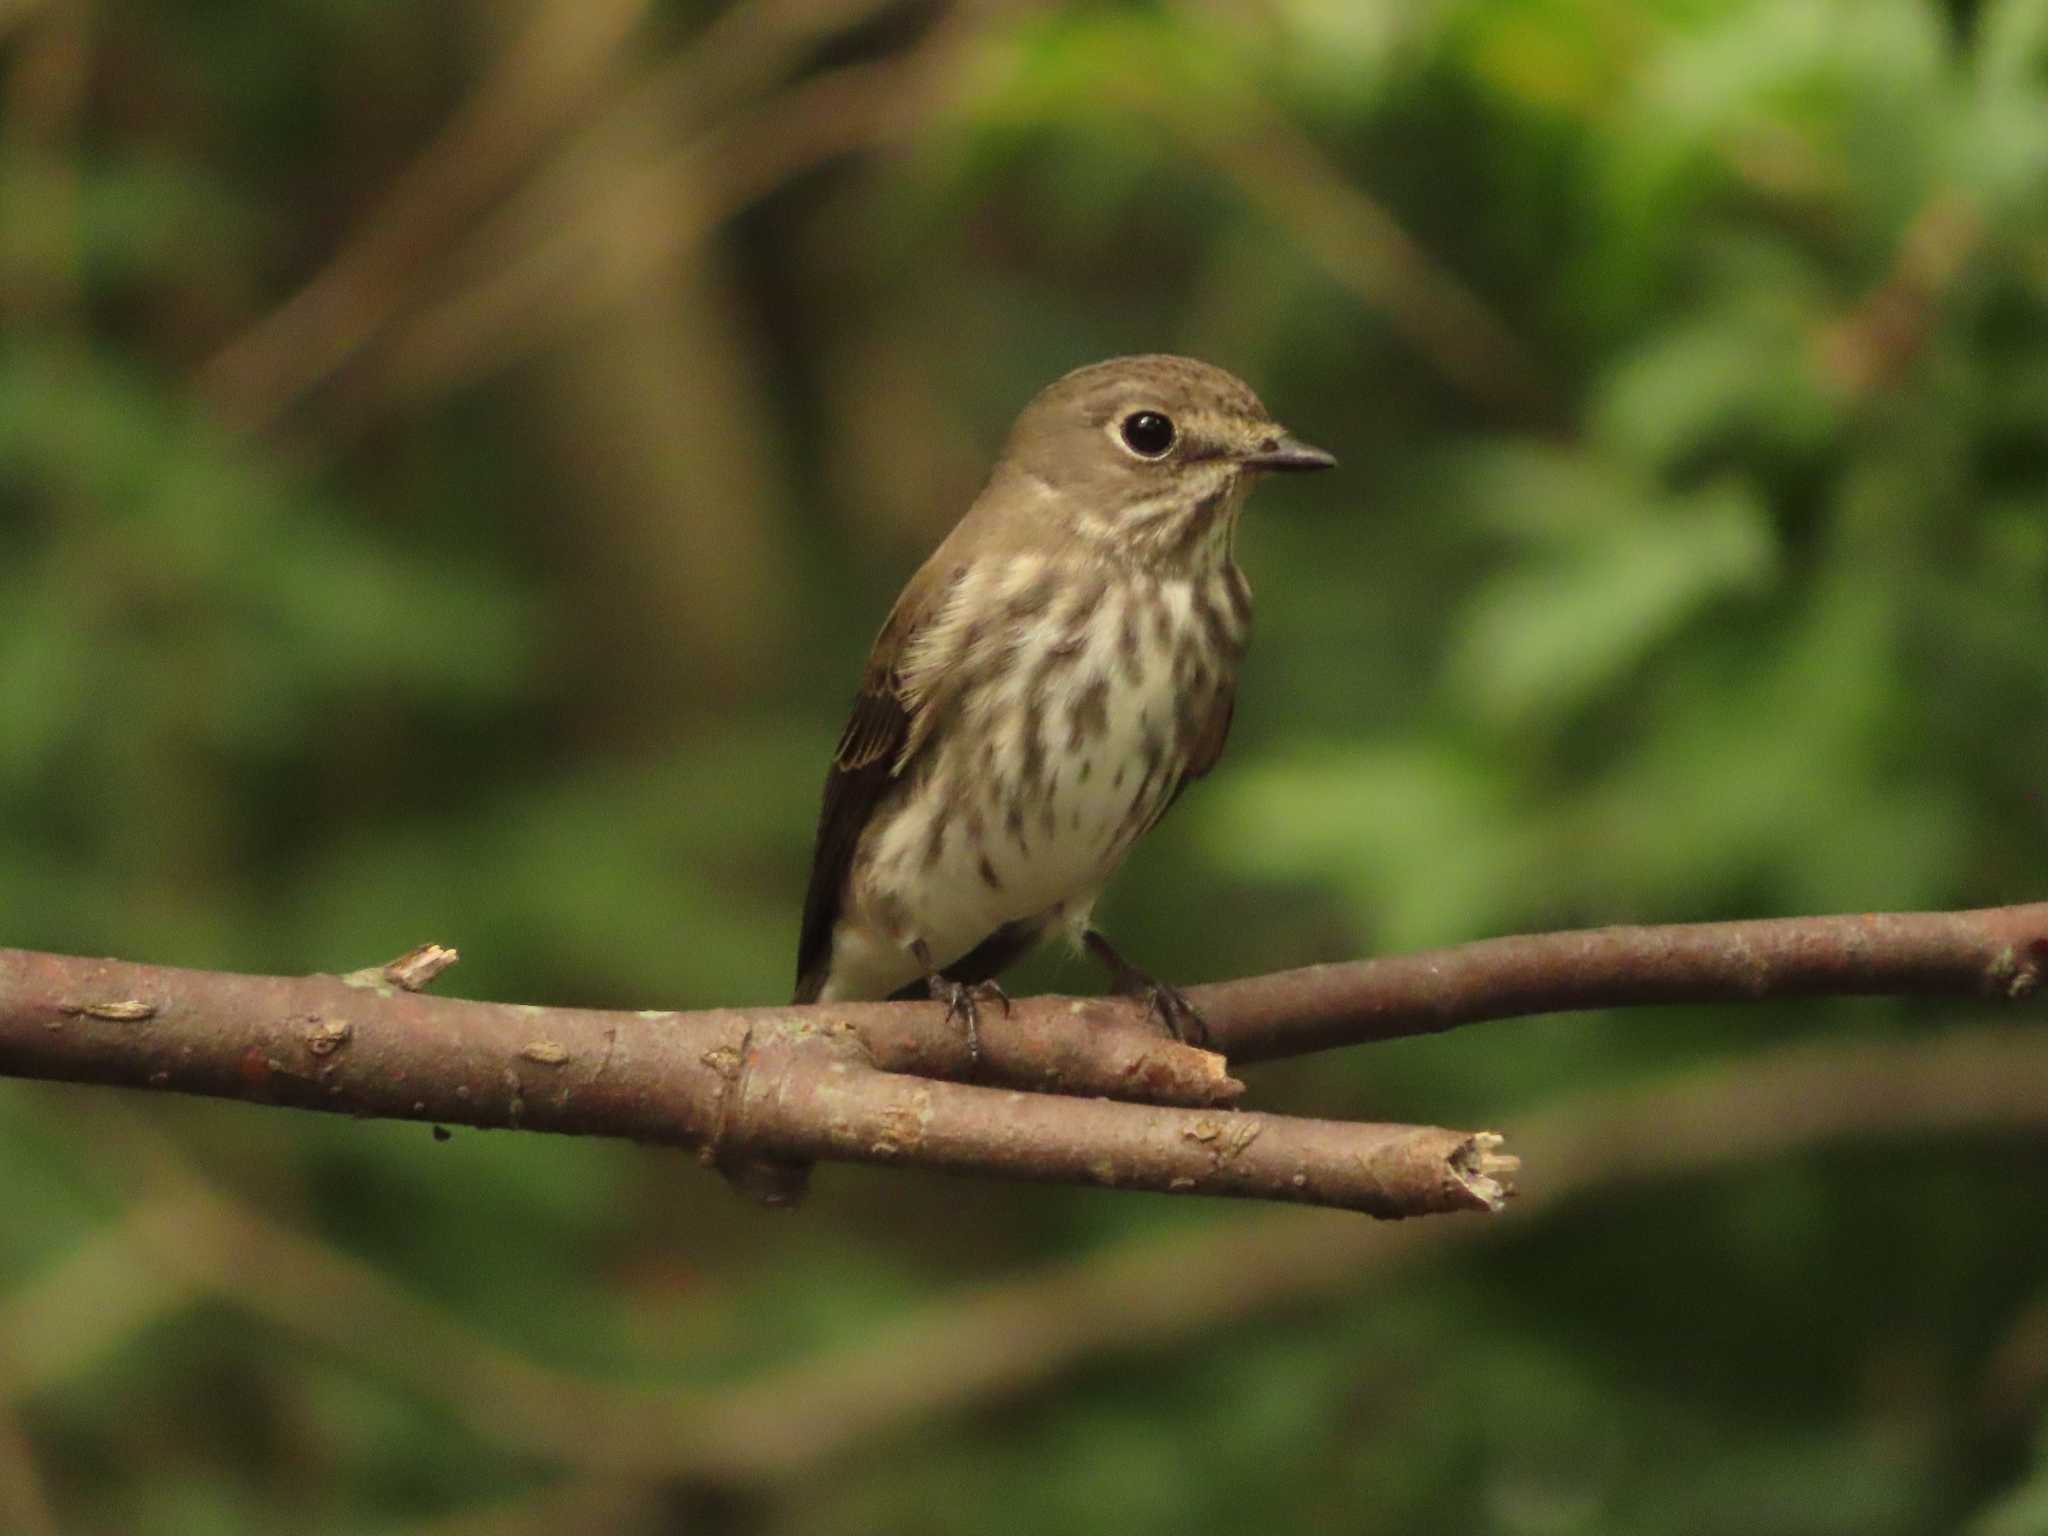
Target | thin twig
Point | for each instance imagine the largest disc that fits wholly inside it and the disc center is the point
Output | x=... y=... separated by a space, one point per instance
x=1991 y=952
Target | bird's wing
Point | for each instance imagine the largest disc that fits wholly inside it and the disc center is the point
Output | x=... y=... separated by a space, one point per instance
x=1214 y=733
x=877 y=745
x=1207 y=748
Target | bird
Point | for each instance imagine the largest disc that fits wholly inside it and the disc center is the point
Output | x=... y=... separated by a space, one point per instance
x=1046 y=686
x=1048 y=683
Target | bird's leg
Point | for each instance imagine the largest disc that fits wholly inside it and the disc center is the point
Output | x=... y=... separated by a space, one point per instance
x=962 y=999
x=1168 y=1004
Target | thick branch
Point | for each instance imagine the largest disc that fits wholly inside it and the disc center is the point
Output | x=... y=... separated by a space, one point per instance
x=305 y=1040
x=796 y=1083
x=806 y=1105
x=856 y=1081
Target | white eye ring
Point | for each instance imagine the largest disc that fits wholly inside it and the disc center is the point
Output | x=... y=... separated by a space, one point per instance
x=1148 y=434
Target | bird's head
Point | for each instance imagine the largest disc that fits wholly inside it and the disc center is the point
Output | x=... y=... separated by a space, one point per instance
x=1149 y=458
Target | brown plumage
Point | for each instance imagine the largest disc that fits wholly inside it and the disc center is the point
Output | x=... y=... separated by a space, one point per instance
x=1086 y=569
x=1046 y=686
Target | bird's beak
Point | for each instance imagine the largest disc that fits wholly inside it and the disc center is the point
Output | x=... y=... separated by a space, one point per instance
x=1285 y=451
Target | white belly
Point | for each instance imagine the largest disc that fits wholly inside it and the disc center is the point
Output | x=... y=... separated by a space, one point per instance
x=1089 y=739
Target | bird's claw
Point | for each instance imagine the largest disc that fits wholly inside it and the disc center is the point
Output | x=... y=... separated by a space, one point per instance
x=963 y=1002
x=1170 y=1006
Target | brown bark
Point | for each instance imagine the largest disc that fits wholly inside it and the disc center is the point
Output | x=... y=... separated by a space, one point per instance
x=794 y=1083
x=1990 y=952
x=866 y=1082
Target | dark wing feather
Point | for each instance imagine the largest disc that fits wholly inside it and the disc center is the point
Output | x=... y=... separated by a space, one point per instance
x=876 y=729
x=1207 y=748
x=864 y=765
x=1215 y=732
x=862 y=771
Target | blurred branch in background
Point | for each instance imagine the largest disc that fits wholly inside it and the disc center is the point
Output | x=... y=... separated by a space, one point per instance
x=184 y=1239
x=692 y=141
x=1278 y=170
x=543 y=269
x=551 y=257
x=14 y=12
x=542 y=80
x=1014 y=1337
x=24 y=1508
x=44 y=88
x=568 y=207
x=1875 y=347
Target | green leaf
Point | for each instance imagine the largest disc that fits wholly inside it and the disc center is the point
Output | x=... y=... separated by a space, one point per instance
x=1556 y=631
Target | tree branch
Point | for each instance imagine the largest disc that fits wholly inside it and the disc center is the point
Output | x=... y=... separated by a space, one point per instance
x=1990 y=952
x=792 y=1083
x=867 y=1082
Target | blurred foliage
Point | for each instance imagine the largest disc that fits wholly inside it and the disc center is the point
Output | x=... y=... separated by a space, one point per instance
x=453 y=458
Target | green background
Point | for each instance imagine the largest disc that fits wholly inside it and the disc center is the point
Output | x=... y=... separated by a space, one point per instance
x=452 y=459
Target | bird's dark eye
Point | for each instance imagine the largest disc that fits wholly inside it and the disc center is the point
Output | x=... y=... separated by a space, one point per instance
x=1148 y=434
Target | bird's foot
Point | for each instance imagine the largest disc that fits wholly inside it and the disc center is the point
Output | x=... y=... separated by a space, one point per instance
x=963 y=1000
x=1166 y=1003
